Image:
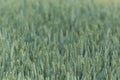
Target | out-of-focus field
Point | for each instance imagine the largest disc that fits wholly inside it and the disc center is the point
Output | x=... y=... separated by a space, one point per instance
x=59 y=40
x=108 y=1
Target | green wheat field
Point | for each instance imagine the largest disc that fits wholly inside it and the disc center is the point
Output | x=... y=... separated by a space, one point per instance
x=59 y=40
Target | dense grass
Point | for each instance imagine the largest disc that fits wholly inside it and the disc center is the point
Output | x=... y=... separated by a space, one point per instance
x=59 y=40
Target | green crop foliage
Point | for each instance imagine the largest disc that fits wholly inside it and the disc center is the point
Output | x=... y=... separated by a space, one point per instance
x=59 y=40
